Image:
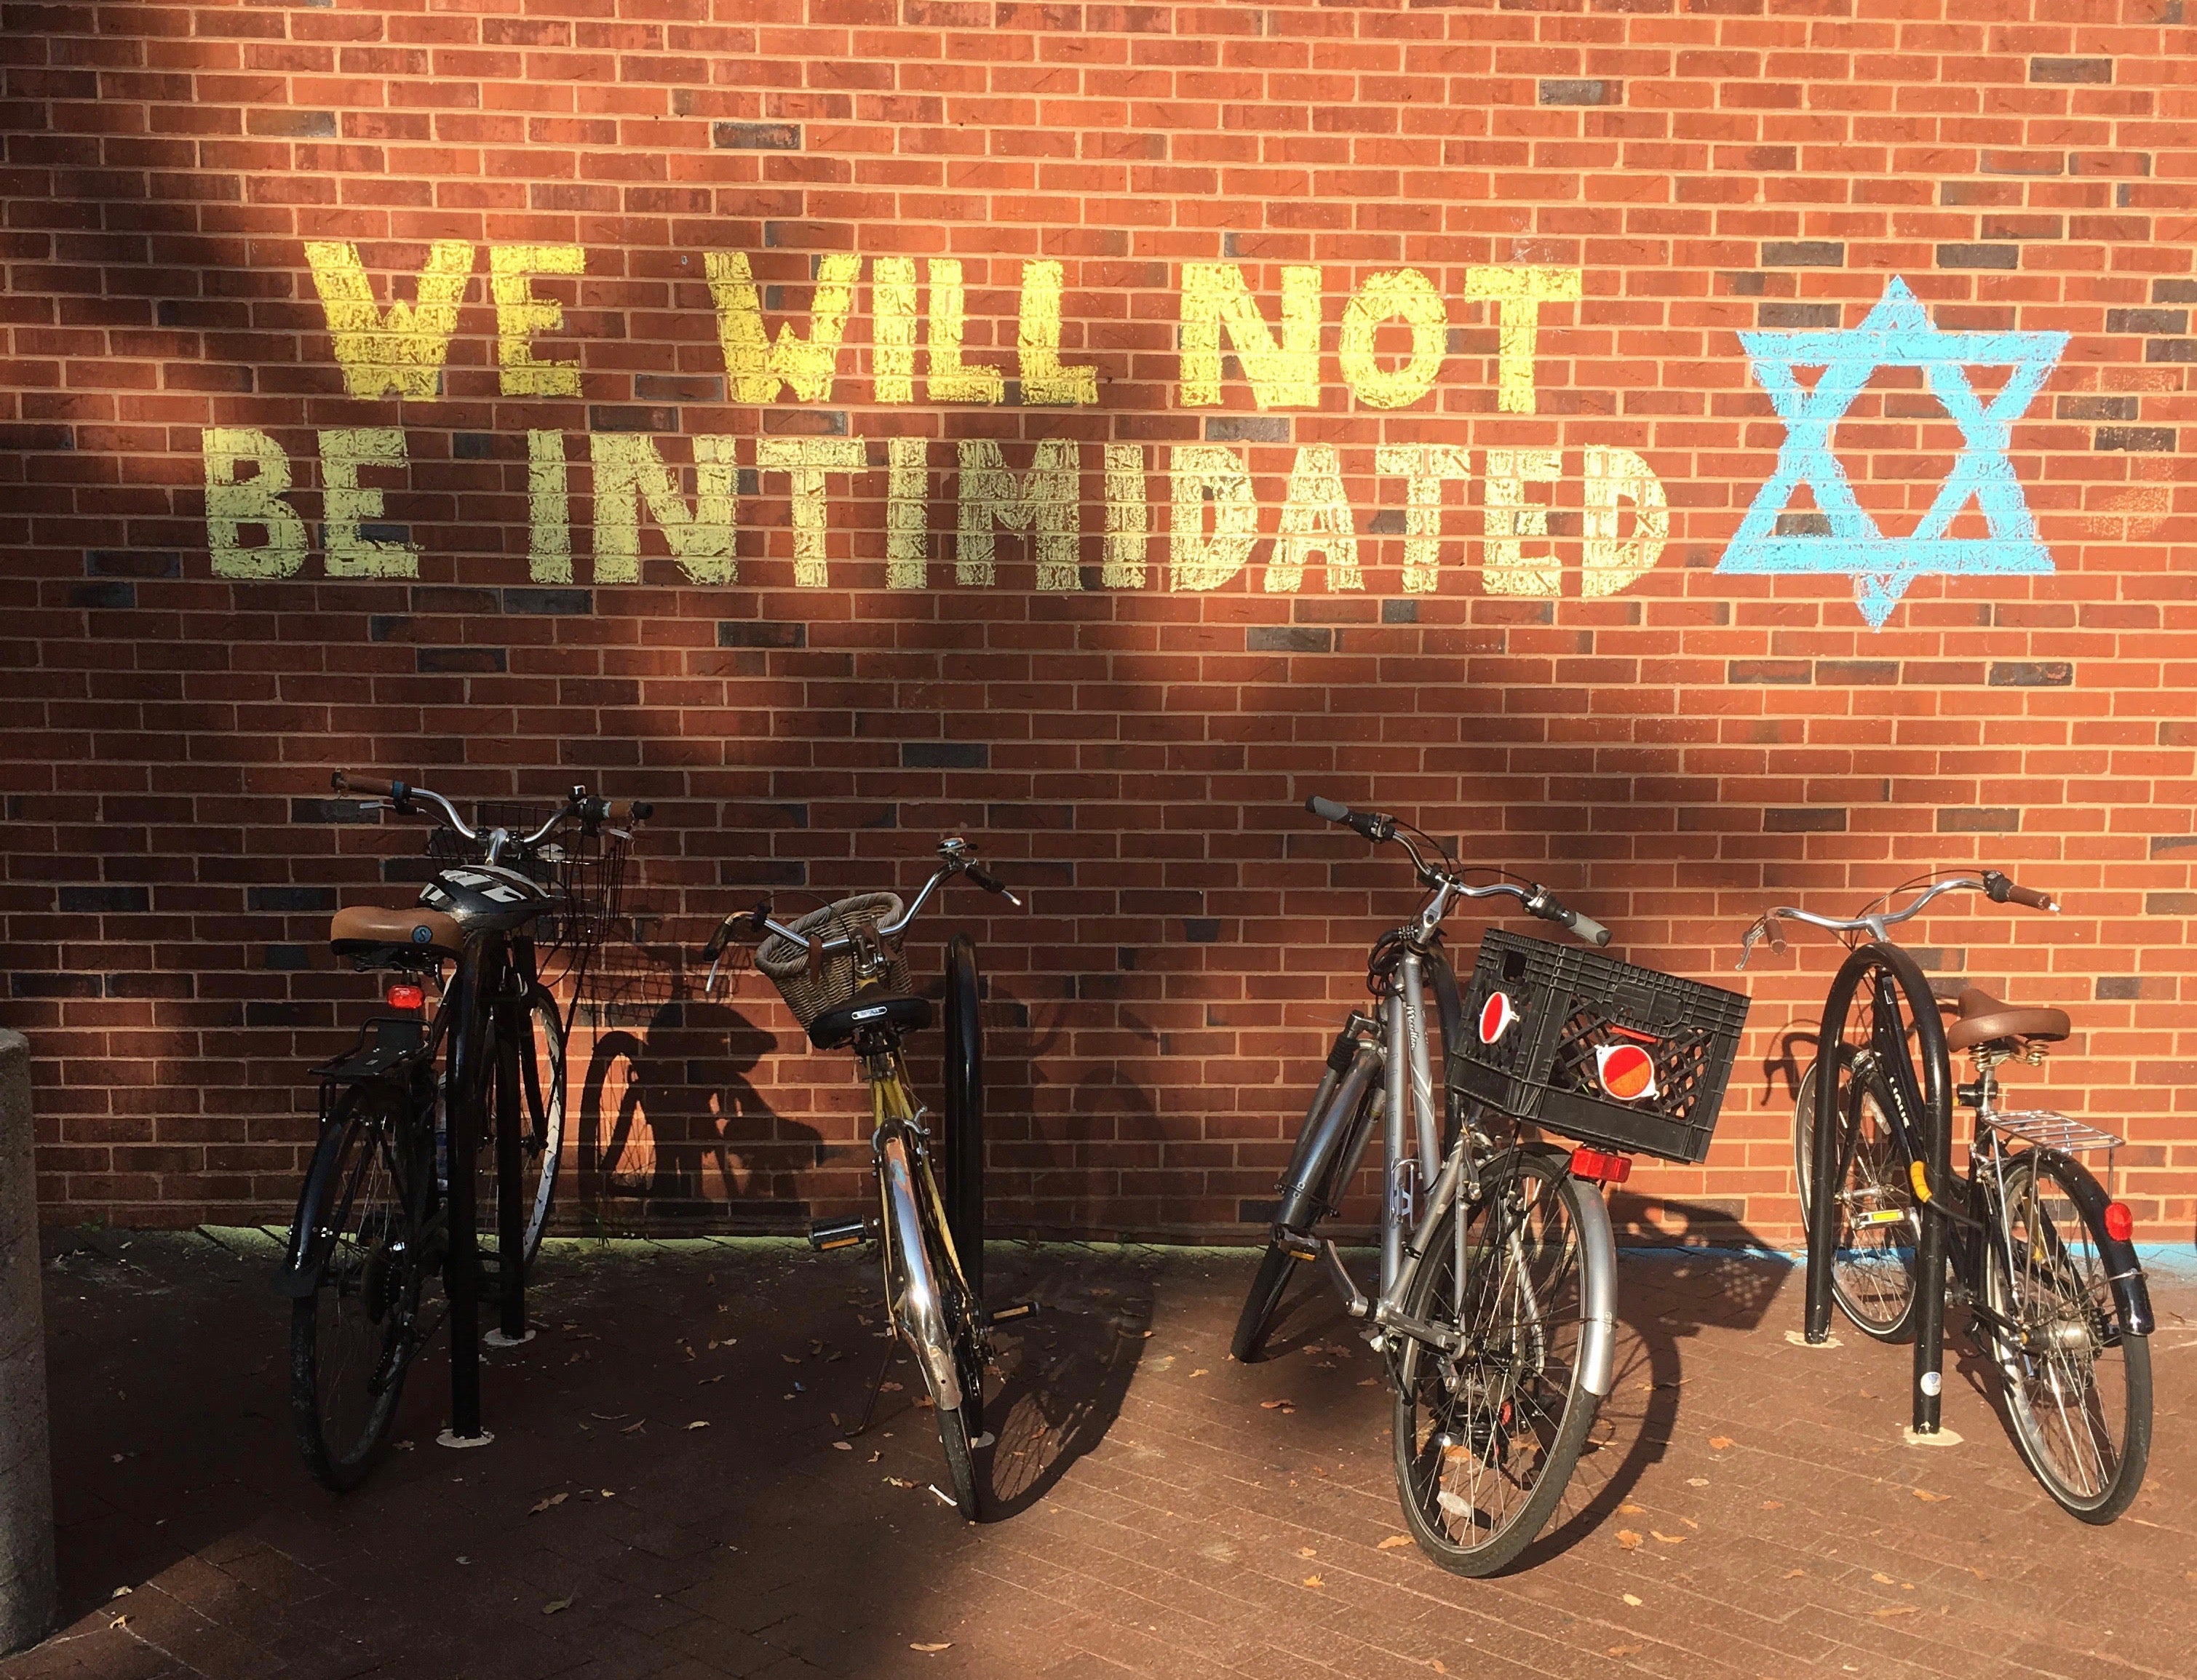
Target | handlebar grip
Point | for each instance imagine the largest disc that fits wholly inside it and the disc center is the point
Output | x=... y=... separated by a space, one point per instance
x=2030 y=897
x=623 y=811
x=990 y=883
x=1587 y=928
x=1773 y=930
x=344 y=782
x=1327 y=810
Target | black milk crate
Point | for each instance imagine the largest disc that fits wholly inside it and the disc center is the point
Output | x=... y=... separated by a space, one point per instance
x=1571 y=1004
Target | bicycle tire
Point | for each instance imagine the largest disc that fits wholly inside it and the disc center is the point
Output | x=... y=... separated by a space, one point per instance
x=1875 y=1291
x=2068 y=1283
x=541 y=1130
x=1268 y=1288
x=1503 y=1406
x=363 y=1268
x=958 y=1426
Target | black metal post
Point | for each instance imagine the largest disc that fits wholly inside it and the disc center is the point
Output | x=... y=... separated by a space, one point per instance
x=964 y=1110
x=462 y=1269
x=1930 y=1275
x=1823 y=1153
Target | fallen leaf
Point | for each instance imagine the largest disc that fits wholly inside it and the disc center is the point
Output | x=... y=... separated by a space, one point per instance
x=554 y=1499
x=1926 y=1495
x=1392 y=1542
x=607 y=1494
x=1791 y=1574
x=1890 y=1610
x=556 y=1604
x=1627 y=1538
x=1307 y=1551
x=631 y=1428
x=1773 y=1504
x=700 y=1423
x=1283 y=1406
x=1632 y=1600
x=1630 y=1510
x=1313 y=1581
x=1881 y=1578
x=843 y=1446
x=941 y=1645
x=1668 y=1539
x=1697 y=1481
x=1718 y=1443
x=895 y=1481
x=1201 y=1371
x=1374 y=1382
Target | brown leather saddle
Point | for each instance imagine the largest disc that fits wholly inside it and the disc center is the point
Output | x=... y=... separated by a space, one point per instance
x=380 y=938
x=1986 y=1021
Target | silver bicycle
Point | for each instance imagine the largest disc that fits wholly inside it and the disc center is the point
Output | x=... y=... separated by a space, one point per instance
x=1496 y=1306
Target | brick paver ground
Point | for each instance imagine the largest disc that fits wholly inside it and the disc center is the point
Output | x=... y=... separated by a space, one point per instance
x=1750 y=1510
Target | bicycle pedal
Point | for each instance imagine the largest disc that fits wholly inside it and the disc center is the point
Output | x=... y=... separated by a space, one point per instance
x=826 y=1235
x=1007 y=1314
x=1301 y=1248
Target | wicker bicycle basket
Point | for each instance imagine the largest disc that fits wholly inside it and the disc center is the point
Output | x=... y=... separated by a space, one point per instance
x=808 y=993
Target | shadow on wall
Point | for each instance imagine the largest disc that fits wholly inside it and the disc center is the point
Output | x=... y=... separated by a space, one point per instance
x=669 y=1131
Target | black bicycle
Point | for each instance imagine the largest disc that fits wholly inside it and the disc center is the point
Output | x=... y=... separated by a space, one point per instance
x=390 y=1199
x=2040 y=1256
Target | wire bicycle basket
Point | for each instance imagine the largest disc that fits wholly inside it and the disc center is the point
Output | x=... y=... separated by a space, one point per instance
x=583 y=865
x=810 y=989
x=1597 y=1049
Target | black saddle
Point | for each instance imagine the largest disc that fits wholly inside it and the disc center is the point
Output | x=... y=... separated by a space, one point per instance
x=836 y=1027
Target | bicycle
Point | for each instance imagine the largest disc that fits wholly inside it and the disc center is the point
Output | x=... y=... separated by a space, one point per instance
x=841 y=973
x=2043 y=1262
x=389 y=1198
x=1496 y=1308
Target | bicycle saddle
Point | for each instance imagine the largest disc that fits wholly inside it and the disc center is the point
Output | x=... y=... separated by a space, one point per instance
x=367 y=930
x=835 y=1027
x=1986 y=1020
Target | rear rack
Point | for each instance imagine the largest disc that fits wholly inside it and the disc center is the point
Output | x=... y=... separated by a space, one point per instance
x=2045 y=1130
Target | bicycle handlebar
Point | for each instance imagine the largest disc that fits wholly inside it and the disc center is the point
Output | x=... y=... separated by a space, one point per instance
x=577 y=803
x=1999 y=888
x=1377 y=827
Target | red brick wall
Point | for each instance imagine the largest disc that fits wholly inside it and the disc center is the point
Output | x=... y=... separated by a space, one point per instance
x=1671 y=754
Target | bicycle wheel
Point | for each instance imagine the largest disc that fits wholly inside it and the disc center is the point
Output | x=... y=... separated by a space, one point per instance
x=958 y=1426
x=1268 y=1288
x=352 y=1339
x=1271 y=1281
x=2078 y=1386
x=1873 y=1255
x=540 y=1128
x=1486 y=1438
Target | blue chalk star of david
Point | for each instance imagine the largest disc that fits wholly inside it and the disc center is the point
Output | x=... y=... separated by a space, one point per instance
x=1896 y=333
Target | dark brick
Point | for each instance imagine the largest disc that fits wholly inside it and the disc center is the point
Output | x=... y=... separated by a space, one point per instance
x=332 y=811
x=2148 y=321
x=473 y=445
x=96 y=596
x=474 y=603
x=679 y=387
x=631 y=417
x=1399 y=610
x=2143 y=439
x=460 y=661
x=1561 y=91
x=2163 y=844
x=2008 y=256
x=1288 y=638
x=281 y=1015
x=1388 y=522
x=133 y=563
x=32 y=439
x=760 y=633
x=105 y=900
x=2118 y=987
x=1769 y=670
x=1804 y=253
x=1804 y=315
x=2071 y=70
x=1804 y=522
x=53 y=985
x=945 y=756
x=1201 y=930
x=1979 y=819
x=2032 y=673
x=2167 y=291
x=286 y=958
x=1804 y=819
x=1747 y=285
x=144 y=985
x=288 y=121
x=1247 y=429
x=2170 y=349
x=756 y=137
x=1857 y=673
x=2170 y=904
x=2091 y=407
x=289 y=901
x=549 y=603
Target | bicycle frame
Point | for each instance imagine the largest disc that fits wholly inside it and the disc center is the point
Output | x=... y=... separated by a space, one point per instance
x=899 y=1147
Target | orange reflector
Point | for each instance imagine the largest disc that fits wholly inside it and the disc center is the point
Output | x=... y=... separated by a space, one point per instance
x=2120 y=1221
x=1602 y=1166
x=1919 y=1177
x=406 y=997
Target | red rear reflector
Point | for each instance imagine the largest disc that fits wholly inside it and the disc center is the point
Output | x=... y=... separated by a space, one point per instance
x=407 y=997
x=1626 y=1071
x=2120 y=1221
x=1496 y=1016
x=1602 y=1165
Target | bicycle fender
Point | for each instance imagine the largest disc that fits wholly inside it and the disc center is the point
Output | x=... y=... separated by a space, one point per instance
x=1299 y=1206
x=1598 y=1295
x=299 y=1273
x=2123 y=1270
x=917 y=1309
